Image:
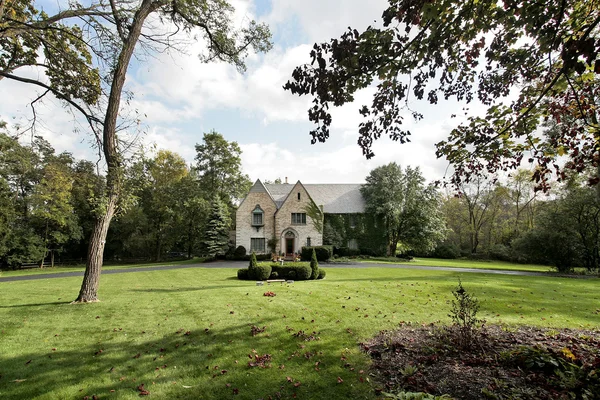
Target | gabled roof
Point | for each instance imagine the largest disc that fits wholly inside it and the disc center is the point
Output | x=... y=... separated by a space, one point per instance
x=335 y=198
x=259 y=187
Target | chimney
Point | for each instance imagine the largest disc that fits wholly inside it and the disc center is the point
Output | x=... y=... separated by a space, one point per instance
x=286 y=180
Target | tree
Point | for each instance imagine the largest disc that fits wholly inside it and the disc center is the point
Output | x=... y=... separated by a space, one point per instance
x=529 y=63
x=52 y=210
x=410 y=210
x=314 y=265
x=213 y=18
x=52 y=44
x=219 y=168
x=164 y=172
x=216 y=237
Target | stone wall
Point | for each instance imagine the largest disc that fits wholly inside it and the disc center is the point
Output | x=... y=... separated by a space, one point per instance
x=243 y=219
x=283 y=221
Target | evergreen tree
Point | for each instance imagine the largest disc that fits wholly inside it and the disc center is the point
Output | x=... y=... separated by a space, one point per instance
x=217 y=228
x=314 y=265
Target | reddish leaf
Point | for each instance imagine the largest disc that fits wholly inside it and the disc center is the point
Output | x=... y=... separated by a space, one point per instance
x=142 y=390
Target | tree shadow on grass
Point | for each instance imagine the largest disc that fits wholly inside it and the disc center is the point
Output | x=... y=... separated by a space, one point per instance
x=188 y=364
x=184 y=289
x=52 y=303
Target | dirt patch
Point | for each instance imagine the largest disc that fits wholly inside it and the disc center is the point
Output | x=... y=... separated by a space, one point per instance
x=500 y=363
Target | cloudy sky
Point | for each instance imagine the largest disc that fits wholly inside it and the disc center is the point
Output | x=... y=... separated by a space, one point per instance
x=180 y=98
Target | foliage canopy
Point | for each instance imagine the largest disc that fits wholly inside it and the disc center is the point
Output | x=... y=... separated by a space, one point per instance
x=532 y=64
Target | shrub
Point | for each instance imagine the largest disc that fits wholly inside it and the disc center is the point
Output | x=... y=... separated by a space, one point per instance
x=464 y=316
x=240 y=251
x=299 y=271
x=324 y=253
x=501 y=252
x=252 y=261
x=314 y=265
x=447 y=251
x=303 y=272
x=260 y=272
x=322 y=273
x=243 y=274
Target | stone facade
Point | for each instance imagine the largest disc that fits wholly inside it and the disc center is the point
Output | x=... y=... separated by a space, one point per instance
x=294 y=235
x=285 y=215
x=245 y=231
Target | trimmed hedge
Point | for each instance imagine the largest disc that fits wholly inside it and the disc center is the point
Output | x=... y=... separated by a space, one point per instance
x=324 y=253
x=294 y=271
x=297 y=271
x=314 y=266
x=260 y=272
x=243 y=274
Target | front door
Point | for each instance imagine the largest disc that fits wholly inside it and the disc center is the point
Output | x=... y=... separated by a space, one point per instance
x=289 y=246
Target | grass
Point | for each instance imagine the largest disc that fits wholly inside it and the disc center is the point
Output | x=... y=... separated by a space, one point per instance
x=187 y=333
x=81 y=268
x=461 y=263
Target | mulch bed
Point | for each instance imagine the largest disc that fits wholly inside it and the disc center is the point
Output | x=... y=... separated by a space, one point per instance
x=499 y=363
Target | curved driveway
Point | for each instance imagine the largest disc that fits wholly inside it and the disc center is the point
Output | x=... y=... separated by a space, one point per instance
x=243 y=264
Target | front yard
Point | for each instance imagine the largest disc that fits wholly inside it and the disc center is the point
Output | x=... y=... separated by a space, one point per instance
x=202 y=333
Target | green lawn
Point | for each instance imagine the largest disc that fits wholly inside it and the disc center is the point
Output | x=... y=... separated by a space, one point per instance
x=187 y=333
x=483 y=264
x=81 y=268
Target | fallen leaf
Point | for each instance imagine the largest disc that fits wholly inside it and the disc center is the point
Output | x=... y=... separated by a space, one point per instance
x=142 y=390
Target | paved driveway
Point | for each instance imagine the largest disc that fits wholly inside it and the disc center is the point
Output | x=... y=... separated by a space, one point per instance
x=244 y=264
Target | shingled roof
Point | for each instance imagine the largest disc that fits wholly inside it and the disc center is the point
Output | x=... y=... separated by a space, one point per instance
x=336 y=198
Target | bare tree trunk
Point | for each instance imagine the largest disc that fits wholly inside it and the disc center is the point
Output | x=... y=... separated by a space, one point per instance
x=91 y=279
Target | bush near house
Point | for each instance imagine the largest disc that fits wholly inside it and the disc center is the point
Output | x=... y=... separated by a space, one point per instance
x=297 y=271
x=324 y=253
x=260 y=273
x=314 y=265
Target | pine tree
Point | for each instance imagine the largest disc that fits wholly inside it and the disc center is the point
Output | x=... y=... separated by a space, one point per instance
x=217 y=229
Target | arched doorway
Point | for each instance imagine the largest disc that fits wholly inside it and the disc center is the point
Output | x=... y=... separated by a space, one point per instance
x=289 y=243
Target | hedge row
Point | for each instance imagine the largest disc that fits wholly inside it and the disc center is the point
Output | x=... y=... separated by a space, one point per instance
x=292 y=271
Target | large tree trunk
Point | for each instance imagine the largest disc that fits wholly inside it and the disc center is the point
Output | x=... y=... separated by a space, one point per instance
x=91 y=280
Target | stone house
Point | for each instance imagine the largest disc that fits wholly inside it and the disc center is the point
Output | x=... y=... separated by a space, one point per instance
x=290 y=216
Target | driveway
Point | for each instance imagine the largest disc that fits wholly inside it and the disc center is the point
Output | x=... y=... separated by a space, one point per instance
x=244 y=264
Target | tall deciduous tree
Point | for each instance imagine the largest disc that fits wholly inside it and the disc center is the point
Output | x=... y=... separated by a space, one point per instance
x=119 y=27
x=219 y=168
x=410 y=209
x=165 y=171
x=53 y=212
x=526 y=61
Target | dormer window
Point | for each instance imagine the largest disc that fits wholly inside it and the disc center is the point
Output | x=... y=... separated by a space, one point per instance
x=257 y=217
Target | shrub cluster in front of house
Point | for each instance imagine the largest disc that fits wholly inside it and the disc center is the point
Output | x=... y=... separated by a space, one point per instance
x=296 y=271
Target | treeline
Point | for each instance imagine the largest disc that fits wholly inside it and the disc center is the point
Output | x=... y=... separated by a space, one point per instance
x=49 y=201
x=509 y=221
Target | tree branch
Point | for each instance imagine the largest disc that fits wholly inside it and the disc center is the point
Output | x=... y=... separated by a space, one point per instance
x=90 y=118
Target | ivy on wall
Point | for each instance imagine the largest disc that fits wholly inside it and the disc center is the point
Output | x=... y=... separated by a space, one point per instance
x=340 y=229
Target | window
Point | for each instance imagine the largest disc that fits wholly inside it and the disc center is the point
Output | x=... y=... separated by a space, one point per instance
x=298 y=196
x=257 y=245
x=257 y=216
x=308 y=242
x=352 y=244
x=298 y=218
x=352 y=218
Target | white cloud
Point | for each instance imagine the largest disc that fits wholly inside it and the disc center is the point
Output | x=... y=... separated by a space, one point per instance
x=322 y=20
